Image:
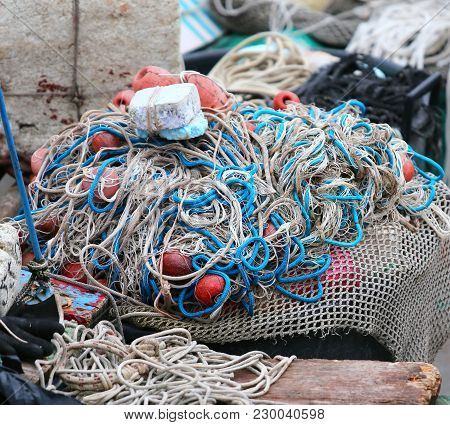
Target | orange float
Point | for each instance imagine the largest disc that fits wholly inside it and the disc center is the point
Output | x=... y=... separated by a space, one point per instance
x=153 y=76
x=208 y=289
x=37 y=159
x=104 y=139
x=279 y=101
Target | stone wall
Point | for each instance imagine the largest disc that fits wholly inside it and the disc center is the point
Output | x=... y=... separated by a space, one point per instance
x=59 y=58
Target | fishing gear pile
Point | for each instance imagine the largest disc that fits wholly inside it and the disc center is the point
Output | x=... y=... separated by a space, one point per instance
x=197 y=227
x=97 y=367
x=385 y=97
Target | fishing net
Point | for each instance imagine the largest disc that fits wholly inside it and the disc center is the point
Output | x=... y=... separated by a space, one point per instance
x=394 y=286
x=306 y=220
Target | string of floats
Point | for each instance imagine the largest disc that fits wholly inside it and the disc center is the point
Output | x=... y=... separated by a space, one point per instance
x=193 y=227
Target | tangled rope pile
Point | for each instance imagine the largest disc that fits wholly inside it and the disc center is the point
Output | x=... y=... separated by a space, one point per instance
x=256 y=202
x=262 y=70
x=97 y=367
x=412 y=33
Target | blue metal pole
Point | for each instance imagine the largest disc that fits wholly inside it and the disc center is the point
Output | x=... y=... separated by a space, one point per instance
x=20 y=184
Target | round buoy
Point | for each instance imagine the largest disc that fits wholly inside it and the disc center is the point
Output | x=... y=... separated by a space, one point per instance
x=269 y=230
x=176 y=264
x=250 y=126
x=48 y=226
x=153 y=76
x=279 y=101
x=343 y=271
x=74 y=271
x=27 y=257
x=208 y=289
x=108 y=184
x=123 y=98
x=408 y=168
x=37 y=159
x=210 y=93
x=103 y=139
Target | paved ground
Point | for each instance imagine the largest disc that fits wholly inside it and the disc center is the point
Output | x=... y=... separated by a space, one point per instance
x=442 y=362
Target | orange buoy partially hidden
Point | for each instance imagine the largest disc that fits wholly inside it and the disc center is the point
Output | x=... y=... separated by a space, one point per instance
x=27 y=257
x=210 y=93
x=104 y=139
x=176 y=264
x=108 y=184
x=408 y=168
x=279 y=101
x=208 y=289
x=74 y=271
x=37 y=159
x=153 y=76
x=250 y=126
x=123 y=98
x=269 y=230
x=49 y=226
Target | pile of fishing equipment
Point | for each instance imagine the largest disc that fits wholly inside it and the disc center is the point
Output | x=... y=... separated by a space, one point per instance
x=258 y=201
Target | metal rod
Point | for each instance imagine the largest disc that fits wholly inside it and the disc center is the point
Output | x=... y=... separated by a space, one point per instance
x=19 y=178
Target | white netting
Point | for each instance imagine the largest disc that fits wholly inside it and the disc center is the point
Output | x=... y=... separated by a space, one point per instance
x=394 y=286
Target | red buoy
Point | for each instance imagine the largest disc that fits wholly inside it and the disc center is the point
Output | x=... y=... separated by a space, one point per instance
x=104 y=139
x=408 y=168
x=211 y=94
x=27 y=257
x=123 y=98
x=109 y=182
x=208 y=289
x=269 y=230
x=74 y=271
x=37 y=159
x=153 y=76
x=279 y=101
x=49 y=226
x=176 y=264
x=250 y=126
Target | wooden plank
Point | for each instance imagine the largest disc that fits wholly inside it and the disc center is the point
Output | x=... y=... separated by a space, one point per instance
x=354 y=382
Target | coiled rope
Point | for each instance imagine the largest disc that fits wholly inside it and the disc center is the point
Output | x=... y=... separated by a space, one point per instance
x=97 y=367
x=257 y=208
x=262 y=70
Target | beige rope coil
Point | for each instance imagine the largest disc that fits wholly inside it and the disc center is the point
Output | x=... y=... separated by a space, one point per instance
x=168 y=367
x=262 y=70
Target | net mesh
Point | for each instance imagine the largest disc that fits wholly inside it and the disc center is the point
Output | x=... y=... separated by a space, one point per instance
x=394 y=286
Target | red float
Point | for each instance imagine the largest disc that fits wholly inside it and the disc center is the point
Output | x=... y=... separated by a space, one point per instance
x=48 y=226
x=279 y=101
x=408 y=168
x=250 y=126
x=26 y=258
x=109 y=183
x=103 y=139
x=37 y=159
x=123 y=98
x=208 y=289
x=176 y=264
x=269 y=230
x=153 y=76
x=211 y=94
x=74 y=271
